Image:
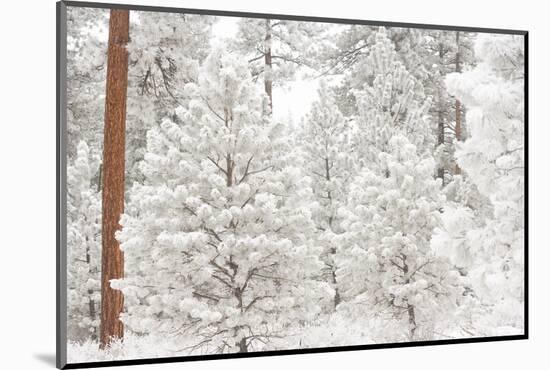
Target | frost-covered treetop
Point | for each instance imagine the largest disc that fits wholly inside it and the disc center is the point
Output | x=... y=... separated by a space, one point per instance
x=390 y=103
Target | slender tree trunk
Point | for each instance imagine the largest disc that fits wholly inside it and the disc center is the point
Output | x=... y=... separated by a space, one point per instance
x=410 y=308
x=268 y=78
x=412 y=321
x=243 y=348
x=91 y=308
x=100 y=171
x=440 y=118
x=440 y=140
x=112 y=259
x=229 y=162
x=91 y=302
x=229 y=168
x=458 y=123
x=241 y=345
x=337 y=298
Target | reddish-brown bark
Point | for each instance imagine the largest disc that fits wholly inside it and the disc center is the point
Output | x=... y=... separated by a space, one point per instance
x=112 y=259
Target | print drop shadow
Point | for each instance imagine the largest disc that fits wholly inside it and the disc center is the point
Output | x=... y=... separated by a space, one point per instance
x=47 y=358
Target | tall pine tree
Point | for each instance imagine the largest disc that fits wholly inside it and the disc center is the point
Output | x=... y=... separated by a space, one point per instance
x=218 y=244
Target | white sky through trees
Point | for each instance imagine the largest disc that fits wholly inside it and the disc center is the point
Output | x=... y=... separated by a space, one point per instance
x=294 y=99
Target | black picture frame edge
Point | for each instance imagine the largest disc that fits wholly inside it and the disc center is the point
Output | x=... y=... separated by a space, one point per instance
x=526 y=185
x=287 y=352
x=61 y=176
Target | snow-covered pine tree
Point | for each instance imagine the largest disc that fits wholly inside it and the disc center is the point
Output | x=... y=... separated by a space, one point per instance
x=275 y=48
x=326 y=153
x=165 y=52
x=86 y=60
x=390 y=102
x=218 y=241
x=349 y=45
x=83 y=245
x=493 y=159
x=446 y=52
x=345 y=48
x=387 y=270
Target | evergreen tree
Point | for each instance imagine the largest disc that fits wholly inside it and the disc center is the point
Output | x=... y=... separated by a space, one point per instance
x=390 y=102
x=388 y=269
x=276 y=48
x=86 y=61
x=448 y=52
x=493 y=158
x=218 y=244
x=165 y=52
x=83 y=246
x=326 y=150
x=347 y=45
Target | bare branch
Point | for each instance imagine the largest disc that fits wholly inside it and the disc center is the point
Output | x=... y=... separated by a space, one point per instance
x=255 y=300
x=217 y=165
x=246 y=169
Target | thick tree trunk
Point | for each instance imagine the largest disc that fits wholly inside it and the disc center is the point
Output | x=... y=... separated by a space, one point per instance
x=112 y=259
x=268 y=78
x=458 y=123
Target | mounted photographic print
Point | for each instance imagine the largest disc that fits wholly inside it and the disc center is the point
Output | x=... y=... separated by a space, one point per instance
x=239 y=184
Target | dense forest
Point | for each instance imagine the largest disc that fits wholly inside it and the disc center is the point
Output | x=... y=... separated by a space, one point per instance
x=290 y=184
